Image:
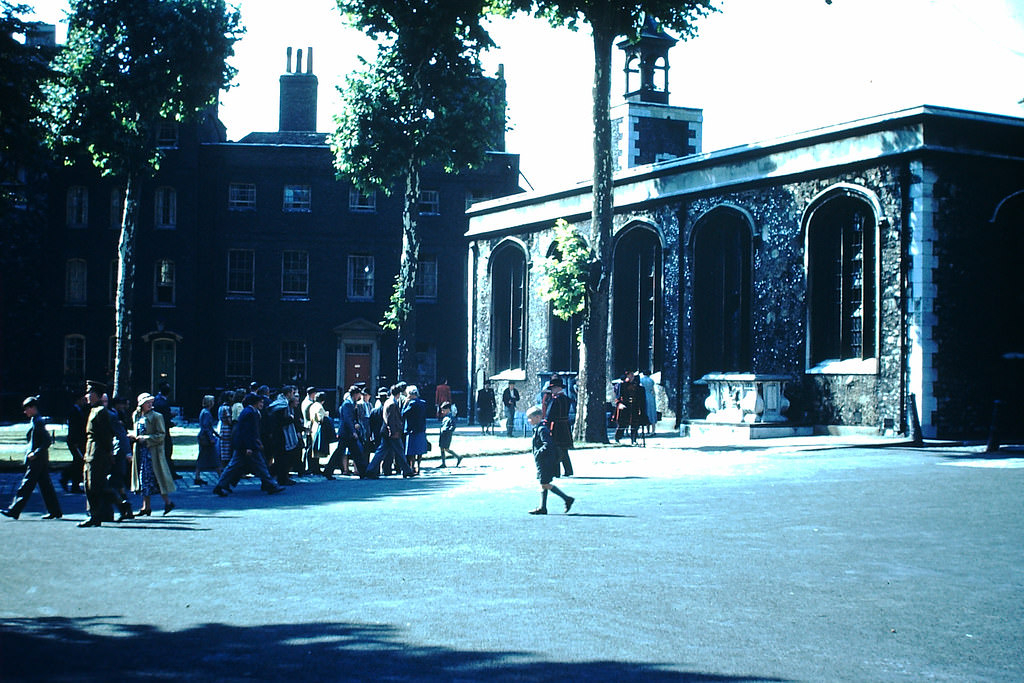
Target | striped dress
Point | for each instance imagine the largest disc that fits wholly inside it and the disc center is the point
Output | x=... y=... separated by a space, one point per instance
x=224 y=429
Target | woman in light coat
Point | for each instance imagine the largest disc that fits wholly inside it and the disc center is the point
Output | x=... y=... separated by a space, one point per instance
x=150 y=471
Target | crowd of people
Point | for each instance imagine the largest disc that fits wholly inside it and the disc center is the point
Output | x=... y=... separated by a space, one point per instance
x=116 y=451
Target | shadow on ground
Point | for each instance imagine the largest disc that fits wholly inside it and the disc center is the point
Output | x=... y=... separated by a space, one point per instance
x=104 y=648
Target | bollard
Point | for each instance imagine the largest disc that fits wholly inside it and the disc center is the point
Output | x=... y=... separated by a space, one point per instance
x=993 y=429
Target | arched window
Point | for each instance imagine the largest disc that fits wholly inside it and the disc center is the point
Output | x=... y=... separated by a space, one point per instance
x=508 y=308
x=841 y=274
x=721 y=293
x=636 y=301
x=563 y=337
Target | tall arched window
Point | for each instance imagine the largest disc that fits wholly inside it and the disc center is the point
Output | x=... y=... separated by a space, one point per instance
x=563 y=337
x=508 y=308
x=721 y=293
x=841 y=274
x=636 y=301
x=166 y=207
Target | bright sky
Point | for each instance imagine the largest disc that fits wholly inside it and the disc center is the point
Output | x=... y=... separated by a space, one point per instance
x=758 y=69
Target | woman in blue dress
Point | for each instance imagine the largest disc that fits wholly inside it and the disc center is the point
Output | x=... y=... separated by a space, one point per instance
x=415 y=415
x=150 y=472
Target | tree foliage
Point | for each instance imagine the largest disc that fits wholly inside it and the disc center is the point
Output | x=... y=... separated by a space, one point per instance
x=562 y=281
x=422 y=101
x=127 y=67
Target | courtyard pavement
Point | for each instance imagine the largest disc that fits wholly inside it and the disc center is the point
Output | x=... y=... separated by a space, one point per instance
x=820 y=559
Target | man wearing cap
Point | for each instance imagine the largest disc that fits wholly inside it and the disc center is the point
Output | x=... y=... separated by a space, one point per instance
x=557 y=419
x=37 y=464
x=99 y=458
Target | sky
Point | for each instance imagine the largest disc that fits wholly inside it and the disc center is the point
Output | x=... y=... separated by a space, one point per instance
x=759 y=70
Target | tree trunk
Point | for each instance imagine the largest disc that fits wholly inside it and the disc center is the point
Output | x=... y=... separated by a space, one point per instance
x=124 y=302
x=593 y=381
x=407 y=365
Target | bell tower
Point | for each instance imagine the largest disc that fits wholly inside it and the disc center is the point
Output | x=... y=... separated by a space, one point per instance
x=645 y=127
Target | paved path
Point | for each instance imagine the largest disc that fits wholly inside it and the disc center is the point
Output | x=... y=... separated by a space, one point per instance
x=709 y=563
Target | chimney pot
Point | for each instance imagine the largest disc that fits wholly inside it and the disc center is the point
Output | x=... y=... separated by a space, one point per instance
x=288 y=67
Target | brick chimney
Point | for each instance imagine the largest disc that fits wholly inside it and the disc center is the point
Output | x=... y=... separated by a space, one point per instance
x=298 y=95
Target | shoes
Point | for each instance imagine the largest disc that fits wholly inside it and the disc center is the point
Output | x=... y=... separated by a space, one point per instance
x=220 y=492
x=409 y=476
x=568 y=503
x=442 y=466
x=286 y=481
x=170 y=506
x=144 y=513
x=89 y=522
x=8 y=513
x=276 y=489
x=539 y=511
x=123 y=517
x=199 y=482
x=458 y=460
x=52 y=516
x=328 y=477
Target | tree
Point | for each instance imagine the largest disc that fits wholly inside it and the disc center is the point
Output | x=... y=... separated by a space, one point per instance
x=422 y=101
x=608 y=20
x=128 y=67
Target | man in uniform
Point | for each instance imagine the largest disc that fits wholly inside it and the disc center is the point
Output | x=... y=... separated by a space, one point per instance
x=99 y=458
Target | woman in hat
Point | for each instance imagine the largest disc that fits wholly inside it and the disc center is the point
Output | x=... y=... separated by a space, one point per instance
x=415 y=415
x=207 y=457
x=150 y=473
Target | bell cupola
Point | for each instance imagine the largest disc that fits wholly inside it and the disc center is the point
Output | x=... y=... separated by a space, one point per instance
x=647 y=64
x=646 y=129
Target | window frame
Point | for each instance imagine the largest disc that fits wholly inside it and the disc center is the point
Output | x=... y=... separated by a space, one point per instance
x=76 y=283
x=241 y=196
x=291 y=203
x=68 y=370
x=77 y=207
x=165 y=208
x=287 y=362
x=300 y=273
x=430 y=200
x=356 y=263
x=232 y=270
x=235 y=361
x=362 y=202
x=158 y=272
x=423 y=292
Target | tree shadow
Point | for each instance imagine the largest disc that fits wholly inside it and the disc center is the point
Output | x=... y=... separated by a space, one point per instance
x=104 y=648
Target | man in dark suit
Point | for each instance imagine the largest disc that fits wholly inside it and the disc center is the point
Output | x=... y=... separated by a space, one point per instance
x=247 y=450
x=349 y=440
x=37 y=463
x=557 y=420
x=71 y=476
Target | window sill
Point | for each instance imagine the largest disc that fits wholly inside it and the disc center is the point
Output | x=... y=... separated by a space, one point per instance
x=162 y=305
x=294 y=297
x=850 y=366
x=240 y=297
x=241 y=208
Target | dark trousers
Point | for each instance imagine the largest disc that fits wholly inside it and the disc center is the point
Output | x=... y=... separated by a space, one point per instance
x=389 y=448
x=347 y=447
x=564 y=459
x=98 y=493
x=241 y=463
x=634 y=430
x=38 y=473
x=72 y=474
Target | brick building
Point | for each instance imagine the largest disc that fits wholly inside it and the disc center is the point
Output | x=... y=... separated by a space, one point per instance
x=254 y=262
x=864 y=263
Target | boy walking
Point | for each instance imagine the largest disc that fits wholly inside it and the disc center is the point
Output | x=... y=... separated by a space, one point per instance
x=444 y=440
x=547 y=456
x=37 y=464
